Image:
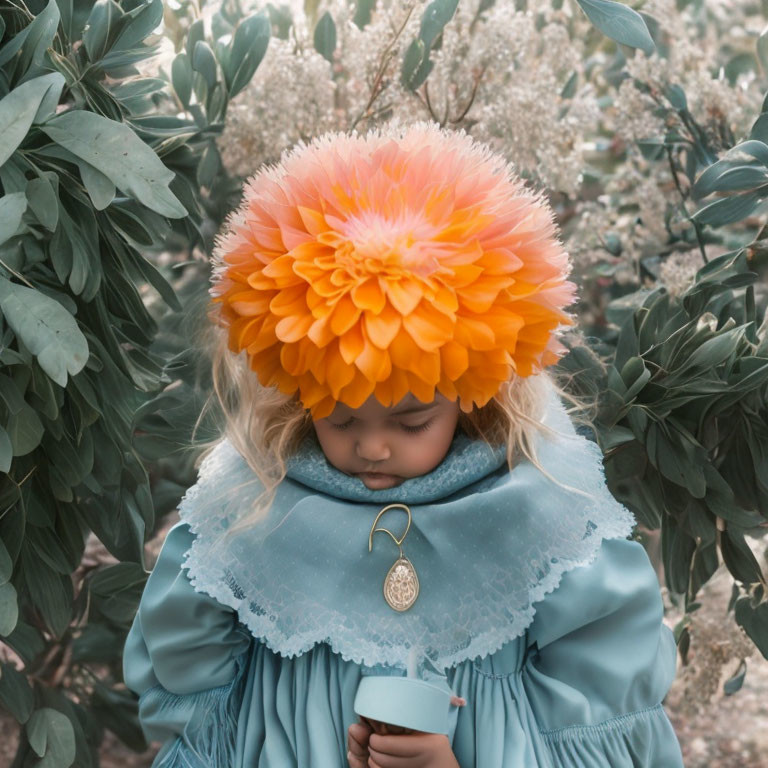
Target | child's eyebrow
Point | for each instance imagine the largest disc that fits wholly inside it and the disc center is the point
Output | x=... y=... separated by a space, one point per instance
x=414 y=409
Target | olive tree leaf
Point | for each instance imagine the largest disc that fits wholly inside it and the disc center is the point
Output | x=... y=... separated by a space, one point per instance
x=325 y=37
x=117 y=152
x=25 y=105
x=52 y=737
x=620 y=23
x=40 y=34
x=46 y=328
x=9 y=608
x=16 y=693
x=12 y=208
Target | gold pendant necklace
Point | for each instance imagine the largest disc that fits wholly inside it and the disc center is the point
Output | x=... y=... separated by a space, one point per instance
x=401 y=585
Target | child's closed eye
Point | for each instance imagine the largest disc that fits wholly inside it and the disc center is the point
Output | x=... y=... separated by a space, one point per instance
x=406 y=427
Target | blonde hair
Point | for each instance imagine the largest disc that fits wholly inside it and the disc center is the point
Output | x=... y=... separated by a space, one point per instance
x=267 y=427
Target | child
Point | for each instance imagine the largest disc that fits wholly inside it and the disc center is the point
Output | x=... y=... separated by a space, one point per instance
x=397 y=297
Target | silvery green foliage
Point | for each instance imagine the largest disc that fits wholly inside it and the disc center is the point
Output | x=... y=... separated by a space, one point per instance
x=94 y=180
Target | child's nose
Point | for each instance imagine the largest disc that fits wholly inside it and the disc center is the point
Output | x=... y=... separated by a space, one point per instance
x=372 y=448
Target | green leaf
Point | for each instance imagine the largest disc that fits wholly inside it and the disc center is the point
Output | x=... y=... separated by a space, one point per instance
x=15 y=693
x=43 y=201
x=115 y=150
x=97 y=642
x=49 y=591
x=12 y=208
x=753 y=616
x=204 y=62
x=116 y=591
x=414 y=55
x=325 y=37
x=52 y=737
x=146 y=19
x=570 y=87
x=728 y=210
x=738 y=557
x=9 y=608
x=741 y=177
x=40 y=34
x=196 y=32
x=436 y=15
x=363 y=11
x=100 y=189
x=620 y=23
x=758 y=150
x=100 y=28
x=676 y=97
x=6 y=564
x=46 y=329
x=27 y=104
x=181 y=77
x=210 y=163
x=734 y=683
x=249 y=44
x=115 y=710
x=25 y=430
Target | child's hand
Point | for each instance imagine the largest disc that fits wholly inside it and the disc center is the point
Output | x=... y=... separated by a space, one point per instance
x=357 y=744
x=412 y=750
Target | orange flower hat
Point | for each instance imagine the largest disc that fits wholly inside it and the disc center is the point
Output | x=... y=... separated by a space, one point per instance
x=407 y=260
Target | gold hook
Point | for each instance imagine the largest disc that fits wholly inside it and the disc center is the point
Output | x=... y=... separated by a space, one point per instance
x=386 y=530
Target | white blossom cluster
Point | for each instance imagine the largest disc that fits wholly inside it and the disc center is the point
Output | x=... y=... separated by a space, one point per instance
x=494 y=74
x=290 y=97
x=699 y=46
x=521 y=111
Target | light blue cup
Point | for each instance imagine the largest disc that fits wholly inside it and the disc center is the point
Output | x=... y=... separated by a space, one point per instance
x=404 y=701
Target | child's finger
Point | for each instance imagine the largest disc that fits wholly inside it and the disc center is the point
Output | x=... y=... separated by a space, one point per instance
x=356 y=762
x=359 y=734
x=357 y=746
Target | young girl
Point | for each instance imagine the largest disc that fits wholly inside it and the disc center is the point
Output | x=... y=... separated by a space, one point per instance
x=397 y=298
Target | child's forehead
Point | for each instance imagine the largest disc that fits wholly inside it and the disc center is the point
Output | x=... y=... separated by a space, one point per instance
x=372 y=408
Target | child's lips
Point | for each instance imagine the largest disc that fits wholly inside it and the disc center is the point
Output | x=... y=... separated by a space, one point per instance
x=377 y=479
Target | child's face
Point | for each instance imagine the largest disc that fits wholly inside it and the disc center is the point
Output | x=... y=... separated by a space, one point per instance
x=397 y=442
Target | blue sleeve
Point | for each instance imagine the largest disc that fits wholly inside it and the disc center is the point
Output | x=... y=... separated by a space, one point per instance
x=185 y=656
x=600 y=661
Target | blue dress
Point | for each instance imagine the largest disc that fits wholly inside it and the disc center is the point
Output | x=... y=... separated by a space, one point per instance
x=574 y=679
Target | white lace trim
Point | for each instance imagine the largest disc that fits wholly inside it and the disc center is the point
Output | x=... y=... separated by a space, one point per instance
x=497 y=601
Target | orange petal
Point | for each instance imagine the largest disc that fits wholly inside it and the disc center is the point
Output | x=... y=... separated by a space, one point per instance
x=351 y=344
x=404 y=294
x=320 y=332
x=357 y=391
x=427 y=367
x=368 y=295
x=345 y=314
x=294 y=327
x=382 y=328
x=428 y=327
x=454 y=360
x=373 y=362
x=473 y=333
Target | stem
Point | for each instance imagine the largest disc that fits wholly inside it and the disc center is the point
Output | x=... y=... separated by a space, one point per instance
x=477 y=77
x=385 y=57
x=696 y=226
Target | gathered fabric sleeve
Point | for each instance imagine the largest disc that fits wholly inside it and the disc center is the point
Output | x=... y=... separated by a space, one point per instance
x=599 y=662
x=185 y=656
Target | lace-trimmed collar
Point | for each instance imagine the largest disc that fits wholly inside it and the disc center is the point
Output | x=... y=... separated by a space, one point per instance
x=486 y=544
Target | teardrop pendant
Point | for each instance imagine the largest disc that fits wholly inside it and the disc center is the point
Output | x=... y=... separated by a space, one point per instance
x=401 y=585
